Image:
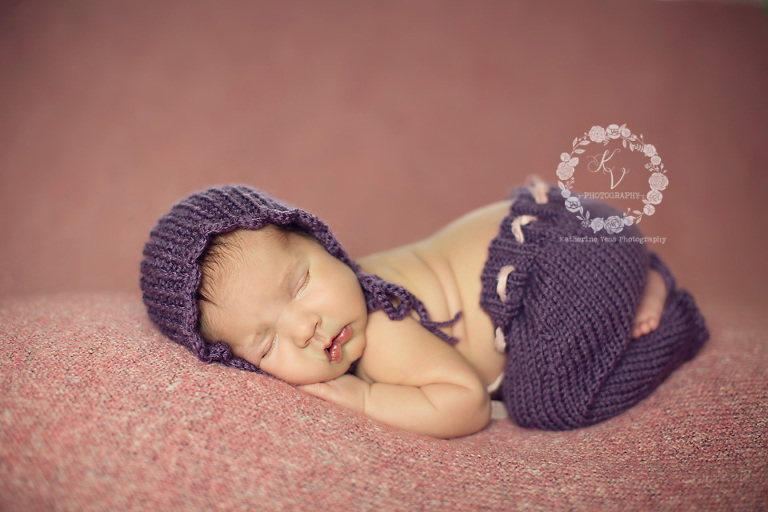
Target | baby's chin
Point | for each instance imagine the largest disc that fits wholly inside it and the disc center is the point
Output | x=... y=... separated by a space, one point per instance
x=338 y=370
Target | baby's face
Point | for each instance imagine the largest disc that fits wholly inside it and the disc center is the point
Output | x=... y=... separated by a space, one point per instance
x=281 y=302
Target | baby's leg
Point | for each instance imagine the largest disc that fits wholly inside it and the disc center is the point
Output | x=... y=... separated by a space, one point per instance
x=651 y=305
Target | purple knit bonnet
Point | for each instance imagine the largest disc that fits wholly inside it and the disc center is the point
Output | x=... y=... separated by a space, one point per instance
x=171 y=273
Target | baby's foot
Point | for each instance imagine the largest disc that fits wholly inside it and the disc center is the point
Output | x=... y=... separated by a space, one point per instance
x=651 y=305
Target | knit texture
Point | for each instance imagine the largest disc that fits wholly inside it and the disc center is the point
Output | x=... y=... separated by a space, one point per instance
x=171 y=274
x=566 y=313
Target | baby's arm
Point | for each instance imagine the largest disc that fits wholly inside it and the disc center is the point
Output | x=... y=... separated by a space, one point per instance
x=412 y=380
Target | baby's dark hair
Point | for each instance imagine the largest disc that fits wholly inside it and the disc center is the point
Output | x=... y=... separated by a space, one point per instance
x=218 y=248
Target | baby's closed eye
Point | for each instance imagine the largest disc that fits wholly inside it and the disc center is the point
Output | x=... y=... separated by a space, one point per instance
x=270 y=347
x=304 y=282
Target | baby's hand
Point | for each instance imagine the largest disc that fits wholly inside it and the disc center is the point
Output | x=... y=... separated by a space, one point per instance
x=348 y=391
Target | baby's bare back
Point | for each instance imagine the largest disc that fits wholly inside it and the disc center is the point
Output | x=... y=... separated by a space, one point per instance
x=443 y=271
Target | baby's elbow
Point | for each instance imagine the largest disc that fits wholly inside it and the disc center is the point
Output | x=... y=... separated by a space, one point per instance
x=474 y=412
x=482 y=411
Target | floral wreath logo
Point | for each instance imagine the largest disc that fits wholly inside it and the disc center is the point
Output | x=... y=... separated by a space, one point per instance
x=657 y=181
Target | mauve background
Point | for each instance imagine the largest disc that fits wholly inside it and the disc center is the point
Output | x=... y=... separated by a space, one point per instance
x=386 y=119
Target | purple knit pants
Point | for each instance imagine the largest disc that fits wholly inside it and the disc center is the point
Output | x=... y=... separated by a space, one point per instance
x=564 y=306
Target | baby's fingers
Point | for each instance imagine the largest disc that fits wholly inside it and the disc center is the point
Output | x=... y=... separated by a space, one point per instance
x=326 y=391
x=319 y=389
x=347 y=391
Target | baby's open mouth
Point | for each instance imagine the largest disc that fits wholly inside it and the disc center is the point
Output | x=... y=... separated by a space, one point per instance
x=334 y=351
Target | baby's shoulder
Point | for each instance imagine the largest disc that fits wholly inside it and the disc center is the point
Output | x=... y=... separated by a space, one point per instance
x=443 y=270
x=417 y=269
x=379 y=360
x=403 y=352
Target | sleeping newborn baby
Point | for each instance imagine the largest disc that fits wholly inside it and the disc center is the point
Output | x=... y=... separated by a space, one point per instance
x=497 y=303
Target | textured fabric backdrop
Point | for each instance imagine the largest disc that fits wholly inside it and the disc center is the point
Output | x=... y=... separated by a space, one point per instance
x=100 y=412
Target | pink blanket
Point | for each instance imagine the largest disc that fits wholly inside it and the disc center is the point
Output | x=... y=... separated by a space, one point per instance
x=98 y=411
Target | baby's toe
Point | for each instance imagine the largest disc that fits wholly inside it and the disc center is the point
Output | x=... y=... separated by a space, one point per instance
x=641 y=328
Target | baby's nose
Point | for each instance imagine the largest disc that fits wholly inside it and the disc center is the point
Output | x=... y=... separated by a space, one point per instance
x=307 y=330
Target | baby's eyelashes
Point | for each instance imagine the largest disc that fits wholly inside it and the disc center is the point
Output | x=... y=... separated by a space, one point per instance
x=270 y=346
x=304 y=283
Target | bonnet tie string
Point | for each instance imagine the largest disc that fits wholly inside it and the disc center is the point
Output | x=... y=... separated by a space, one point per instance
x=379 y=295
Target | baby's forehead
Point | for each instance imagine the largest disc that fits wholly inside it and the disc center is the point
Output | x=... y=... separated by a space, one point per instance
x=268 y=253
x=230 y=257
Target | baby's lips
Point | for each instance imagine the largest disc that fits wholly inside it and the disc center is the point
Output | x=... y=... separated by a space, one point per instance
x=334 y=351
x=343 y=336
